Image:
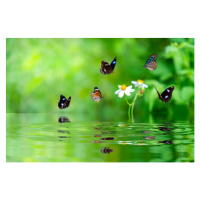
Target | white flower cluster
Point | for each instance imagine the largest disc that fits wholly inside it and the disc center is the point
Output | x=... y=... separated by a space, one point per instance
x=123 y=89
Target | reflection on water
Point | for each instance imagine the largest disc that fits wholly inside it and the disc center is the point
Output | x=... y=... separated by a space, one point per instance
x=106 y=150
x=42 y=138
x=166 y=142
x=63 y=119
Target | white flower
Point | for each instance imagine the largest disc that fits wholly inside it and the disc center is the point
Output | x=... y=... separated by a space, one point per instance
x=139 y=83
x=123 y=89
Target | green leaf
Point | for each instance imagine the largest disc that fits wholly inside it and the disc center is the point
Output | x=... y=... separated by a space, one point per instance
x=187 y=93
x=177 y=95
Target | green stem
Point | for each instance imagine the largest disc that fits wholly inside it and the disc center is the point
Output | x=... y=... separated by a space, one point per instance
x=135 y=96
x=127 y=100
x=131 y=106
x=132 y=112
x=129 y=109
x=133 y=103
x=129 y=112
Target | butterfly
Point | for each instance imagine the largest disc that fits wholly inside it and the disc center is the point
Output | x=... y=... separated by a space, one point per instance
x=166 y=142
x=108 y=68
x=108 y=138
x=106 y=150
x=63 y=119
x=151 y=63
x=96 y=95
x=64 y=103
x=166 y=95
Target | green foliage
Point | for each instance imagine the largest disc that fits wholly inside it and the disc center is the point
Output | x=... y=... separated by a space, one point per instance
x=38 y=71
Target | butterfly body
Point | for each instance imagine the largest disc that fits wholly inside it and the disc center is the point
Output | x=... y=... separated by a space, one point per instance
x=64 y=103
x=108 y=68
x=151 y=63
x=96 y=95
x=166 y=94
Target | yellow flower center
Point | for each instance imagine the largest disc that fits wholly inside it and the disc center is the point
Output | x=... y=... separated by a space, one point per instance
x=123 y=87
x=140 y=81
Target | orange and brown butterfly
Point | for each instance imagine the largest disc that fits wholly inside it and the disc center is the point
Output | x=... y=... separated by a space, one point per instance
x=96 y=95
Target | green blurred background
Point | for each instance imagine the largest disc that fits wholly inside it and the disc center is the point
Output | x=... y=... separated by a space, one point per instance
x=38 y=71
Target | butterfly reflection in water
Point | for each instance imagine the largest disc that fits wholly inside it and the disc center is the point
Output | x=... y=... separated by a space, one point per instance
x=64 y=103
x=108 y=68
x=151 y=63
x=106 y=150
x=166 y=95
x=96 y=95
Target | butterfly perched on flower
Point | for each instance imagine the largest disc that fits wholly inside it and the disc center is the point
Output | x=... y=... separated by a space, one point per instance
x=64 y=103
x=166 y=94
x=108 y=68
x=151 y=63
x=96 y=95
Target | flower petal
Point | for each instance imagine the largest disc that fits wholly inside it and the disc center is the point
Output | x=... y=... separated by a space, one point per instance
x=131 y=90
x=127 y=93
x=117 y=92
x=144 y=85
x=119 y=86
x=135 y=83
x=121 y=93
x=129 y=87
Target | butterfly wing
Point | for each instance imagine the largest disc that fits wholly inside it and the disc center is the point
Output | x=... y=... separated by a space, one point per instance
x=68 y=102
x=108 y=68
x=151 y=63
x=113 y=63
x=105 y=68
x=96 y=95
x=167 y=94
x=151 y=59
x=64 y=103
x=160 y=97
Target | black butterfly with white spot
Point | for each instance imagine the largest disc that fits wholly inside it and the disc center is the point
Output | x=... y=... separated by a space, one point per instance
x=108 y=68
x=166 y=95
x=64 y=103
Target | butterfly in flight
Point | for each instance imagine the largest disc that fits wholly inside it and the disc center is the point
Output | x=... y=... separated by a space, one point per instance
x=64 y=103
x=108 y=68
x=166 y=95
x=151 y=63
x=96 y=95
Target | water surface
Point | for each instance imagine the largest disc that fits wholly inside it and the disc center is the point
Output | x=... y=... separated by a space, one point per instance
x=56 y=138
